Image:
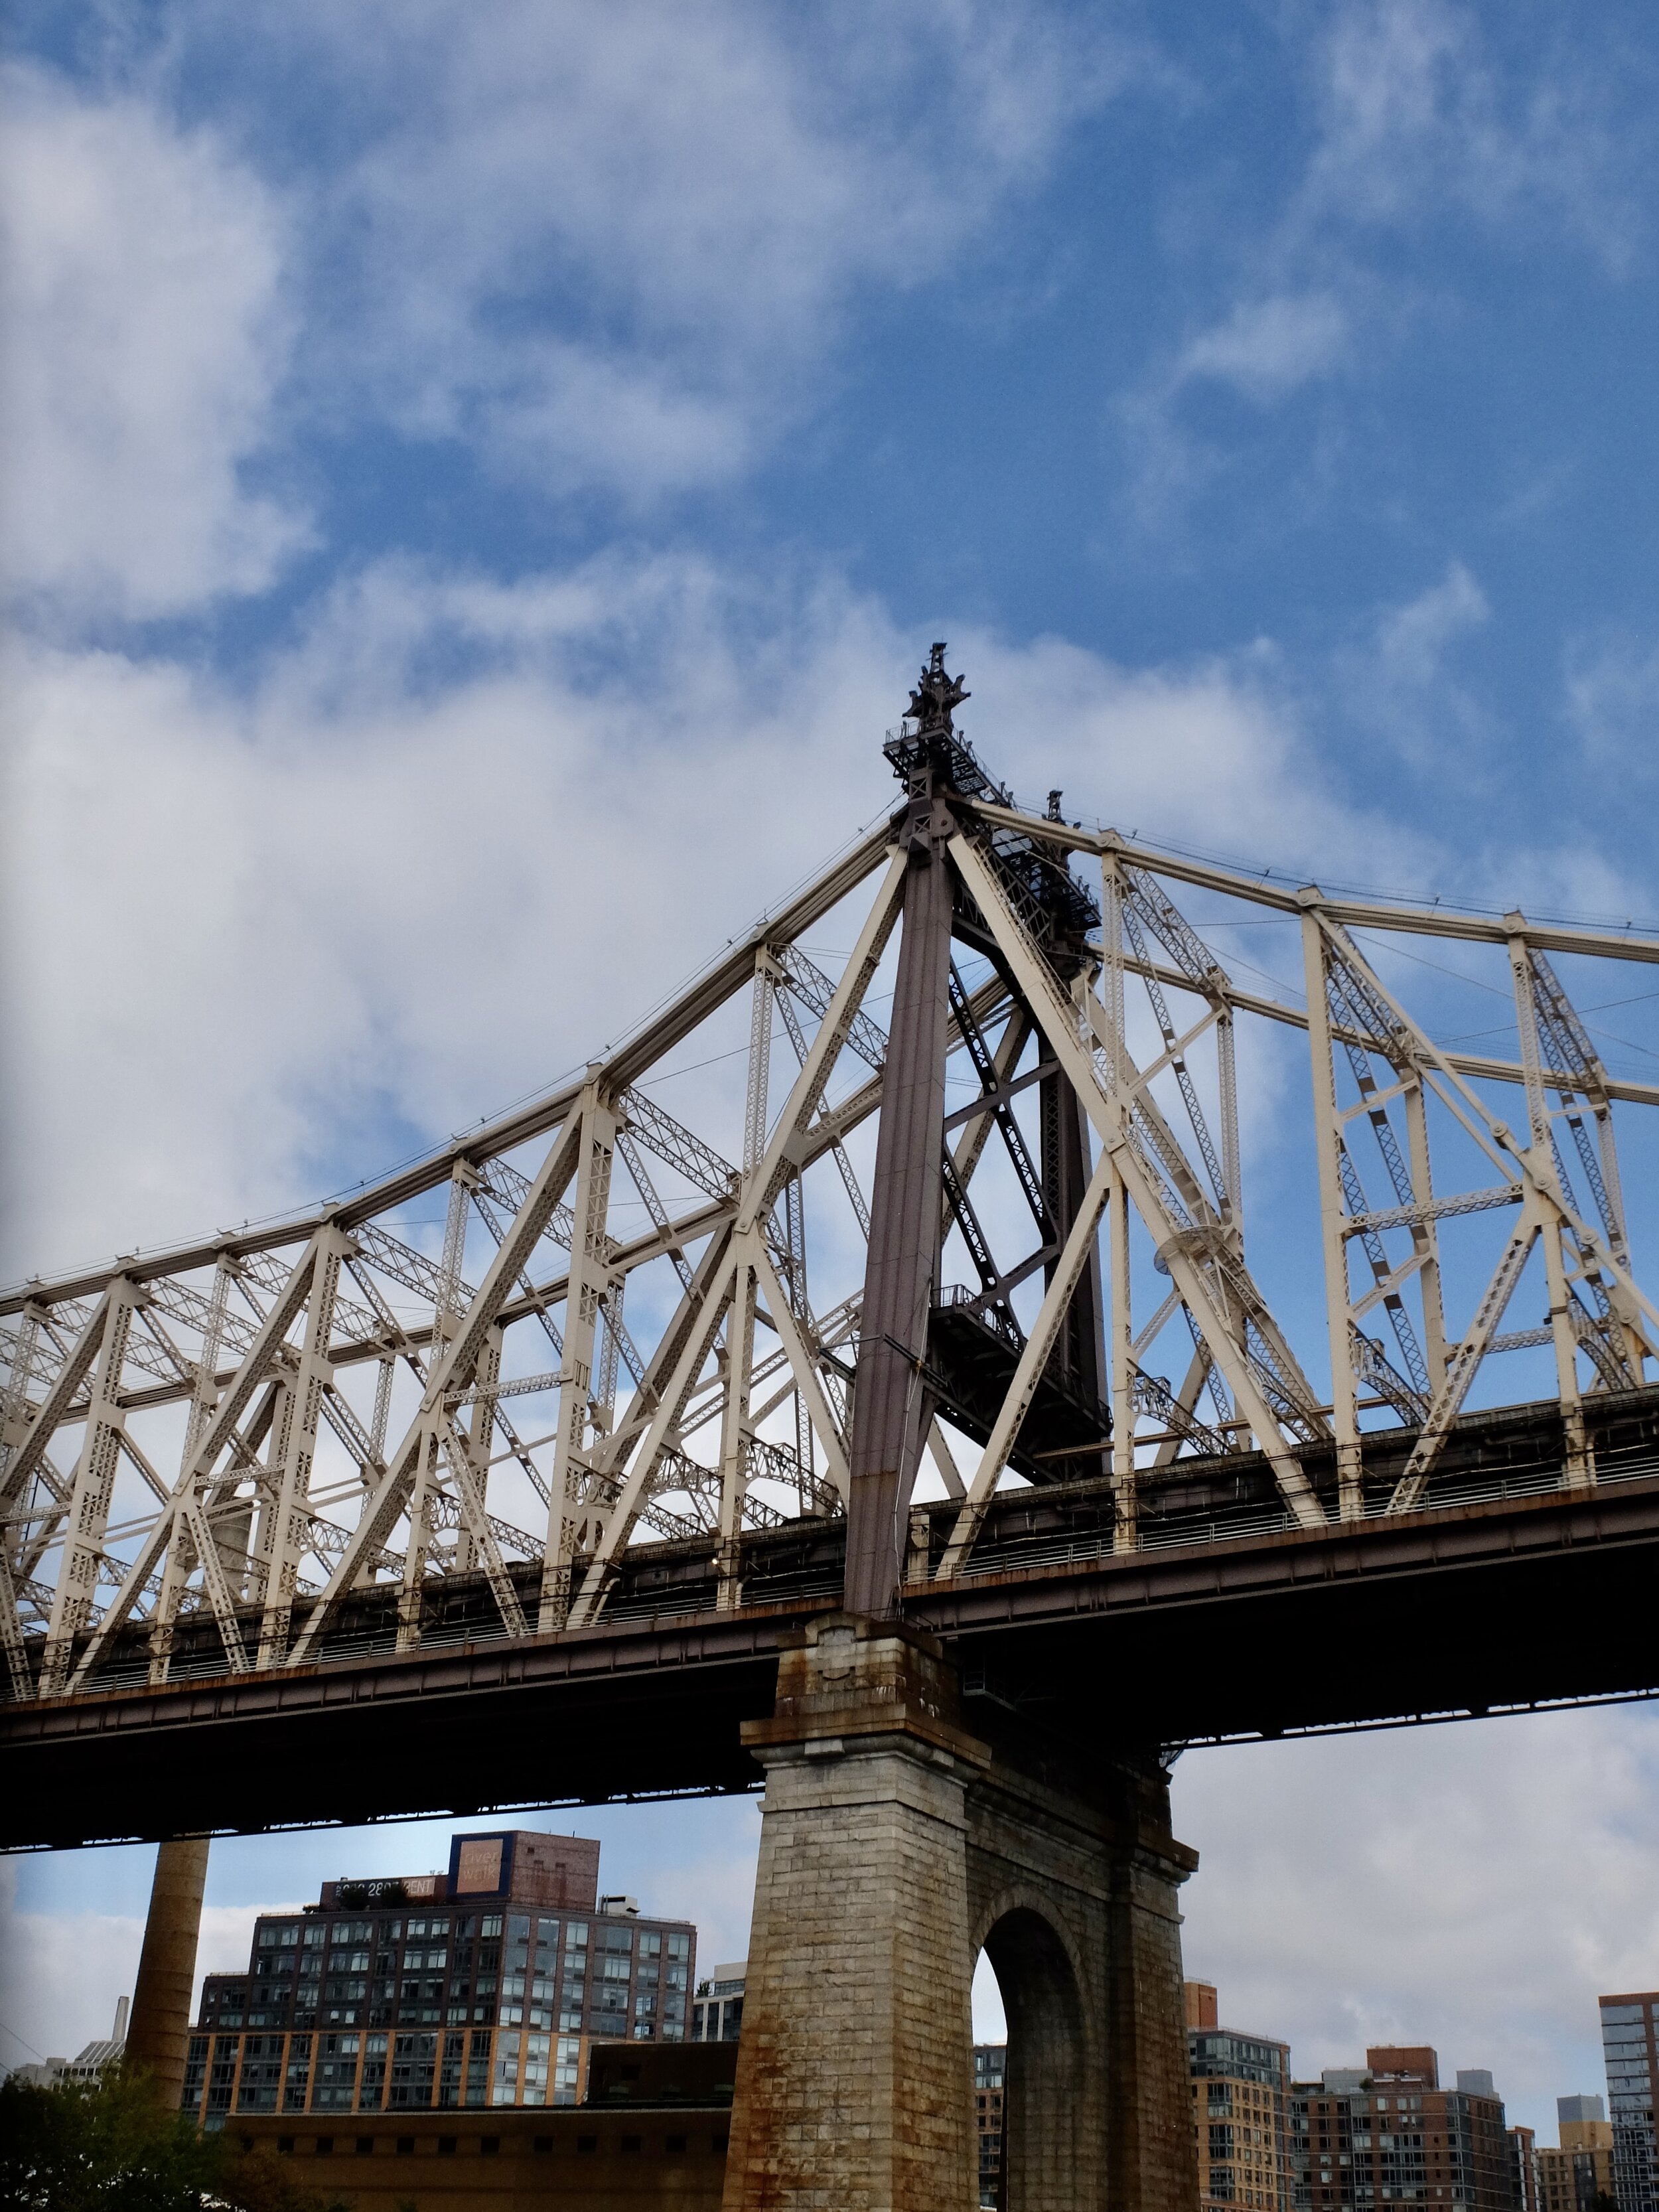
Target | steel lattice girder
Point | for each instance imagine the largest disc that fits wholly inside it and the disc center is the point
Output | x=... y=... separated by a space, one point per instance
x=188 y=1484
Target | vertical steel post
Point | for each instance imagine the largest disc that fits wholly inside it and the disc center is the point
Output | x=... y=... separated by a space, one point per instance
x=1580 y=1466
x=89 y=1498
x=1126 y=1532
x=1338 y=1296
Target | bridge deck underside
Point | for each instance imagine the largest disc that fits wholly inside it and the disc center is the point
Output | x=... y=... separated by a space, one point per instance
x=1506 y=1591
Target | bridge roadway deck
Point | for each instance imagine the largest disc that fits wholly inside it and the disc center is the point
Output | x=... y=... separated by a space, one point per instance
x=1506 y=1591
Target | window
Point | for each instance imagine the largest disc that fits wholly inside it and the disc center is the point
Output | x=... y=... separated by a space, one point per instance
x=262 y=2073
x=566 y=2069
x=491 y=1924
x=505 y=2089
x=449 y=2080
x=405 y=2146
x=414 y=2062
x=587 y=2145
x=447 y=2146
x=536 y=2051
x=365 y=2146
x=674 y=2145
x=632 y=2144
x=489 y=2145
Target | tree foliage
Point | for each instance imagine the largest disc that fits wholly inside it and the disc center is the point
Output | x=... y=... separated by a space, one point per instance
x=108 y=2147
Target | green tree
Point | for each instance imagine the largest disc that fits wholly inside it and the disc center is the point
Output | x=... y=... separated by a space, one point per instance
x=105 y=2146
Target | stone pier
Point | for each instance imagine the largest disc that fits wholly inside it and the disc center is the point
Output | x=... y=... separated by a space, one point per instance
x=895 y=1844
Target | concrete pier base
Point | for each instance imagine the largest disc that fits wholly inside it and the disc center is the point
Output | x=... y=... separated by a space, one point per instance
x=895 y=1844
x=158 y=2037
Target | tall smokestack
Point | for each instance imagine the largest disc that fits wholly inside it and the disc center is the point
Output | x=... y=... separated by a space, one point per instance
x=158 y=2039
x=119 y=2032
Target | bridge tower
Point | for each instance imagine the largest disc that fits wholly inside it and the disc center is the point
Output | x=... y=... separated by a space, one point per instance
x=899 y=1837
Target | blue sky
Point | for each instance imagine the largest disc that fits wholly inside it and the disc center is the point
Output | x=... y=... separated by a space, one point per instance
x=477 y=483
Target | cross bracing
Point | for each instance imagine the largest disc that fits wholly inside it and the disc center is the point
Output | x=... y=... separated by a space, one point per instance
x=634 y=1313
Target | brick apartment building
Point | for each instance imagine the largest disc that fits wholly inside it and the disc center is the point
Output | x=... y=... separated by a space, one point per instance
x=1389 y=2136
x=1240 y=2087
x=990 y=2080
x=482 y=1986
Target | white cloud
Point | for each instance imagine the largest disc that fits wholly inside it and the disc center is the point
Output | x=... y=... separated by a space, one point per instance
x=1268 y=347
x=143 y=345
x=257 y=941
x=1399 y=685
x=1412 y=639
x=61 y=1972
x=613 y=247
x=1474 y=1887
x=1418 y=115
x=1416 y=122
x=1613 y=701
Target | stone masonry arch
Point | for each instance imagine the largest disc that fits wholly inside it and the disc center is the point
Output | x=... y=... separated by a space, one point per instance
x=1051 y=2124
x=901 y=1833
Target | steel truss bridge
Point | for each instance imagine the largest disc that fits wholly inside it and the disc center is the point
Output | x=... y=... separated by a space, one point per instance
x=336 y=1518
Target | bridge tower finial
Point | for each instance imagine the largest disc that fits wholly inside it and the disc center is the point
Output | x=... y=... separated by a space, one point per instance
x=937 y=696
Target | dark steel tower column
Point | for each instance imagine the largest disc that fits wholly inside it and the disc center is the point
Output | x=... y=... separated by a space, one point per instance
x=890 y=1409
x=1079 y=1360
x=158 y=2039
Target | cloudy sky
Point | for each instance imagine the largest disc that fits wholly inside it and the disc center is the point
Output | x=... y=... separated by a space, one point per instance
x=469 y=472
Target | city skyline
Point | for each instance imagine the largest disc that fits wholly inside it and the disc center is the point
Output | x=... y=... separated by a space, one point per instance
x=713 y=1893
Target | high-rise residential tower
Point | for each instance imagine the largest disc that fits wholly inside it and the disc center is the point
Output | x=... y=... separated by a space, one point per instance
x=1239 y=2088
x=1630 y=2047
x=481 y=1986
x=1387 y=2135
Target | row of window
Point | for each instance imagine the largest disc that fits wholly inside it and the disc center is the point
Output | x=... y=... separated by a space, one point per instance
x=675 y=2144
x=378 y=2071
x=313 y=1934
